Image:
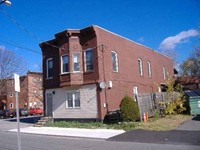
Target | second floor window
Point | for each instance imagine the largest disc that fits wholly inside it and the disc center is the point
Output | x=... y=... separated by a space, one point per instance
x=76 y=61
x=49 y=65
x=140 y=67
x=164 y=72
x=64 y=64
x=114 y=61
x=89 y=60
x=149 y=68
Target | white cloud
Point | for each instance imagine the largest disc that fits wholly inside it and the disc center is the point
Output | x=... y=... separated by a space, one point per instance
x=182 y=37
x=141 y=40
x=2 y=47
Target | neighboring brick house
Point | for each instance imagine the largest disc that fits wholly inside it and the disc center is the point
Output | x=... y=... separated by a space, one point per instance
x=189 y=82
x=87 y=72
x=30 y=95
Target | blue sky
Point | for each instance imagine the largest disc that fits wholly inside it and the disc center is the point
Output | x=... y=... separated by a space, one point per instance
x=170 y=25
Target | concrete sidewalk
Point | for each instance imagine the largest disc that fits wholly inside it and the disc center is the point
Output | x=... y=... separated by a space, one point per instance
x=72 y=132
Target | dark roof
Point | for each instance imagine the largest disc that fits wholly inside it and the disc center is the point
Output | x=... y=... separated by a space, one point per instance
x=192 y=93
x=188 y=80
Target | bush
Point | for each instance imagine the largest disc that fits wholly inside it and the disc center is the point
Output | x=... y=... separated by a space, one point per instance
x=129 y=109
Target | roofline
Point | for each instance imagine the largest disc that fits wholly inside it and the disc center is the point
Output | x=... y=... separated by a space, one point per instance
x=130 y=40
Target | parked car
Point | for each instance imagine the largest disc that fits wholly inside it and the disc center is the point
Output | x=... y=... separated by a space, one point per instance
x=22 y=112
x=5 y=113
x=35 y=111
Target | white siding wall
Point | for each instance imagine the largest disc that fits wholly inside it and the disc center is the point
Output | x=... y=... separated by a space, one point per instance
x=88 y=100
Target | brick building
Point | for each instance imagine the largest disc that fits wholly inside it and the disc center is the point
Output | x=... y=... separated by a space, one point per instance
x=30 y=95
x=87 y=72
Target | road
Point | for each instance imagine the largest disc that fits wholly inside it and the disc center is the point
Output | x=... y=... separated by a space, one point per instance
x=133 y=140
x=8 y=141
x=8 y=124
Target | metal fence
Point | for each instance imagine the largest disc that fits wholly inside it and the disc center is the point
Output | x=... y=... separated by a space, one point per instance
x=148 y=102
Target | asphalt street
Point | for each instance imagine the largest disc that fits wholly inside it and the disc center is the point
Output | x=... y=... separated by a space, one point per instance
x=187 y=133
x=174 y=137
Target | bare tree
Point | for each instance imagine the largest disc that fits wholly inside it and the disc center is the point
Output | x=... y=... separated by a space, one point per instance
x=9 y=64
x=191 y=65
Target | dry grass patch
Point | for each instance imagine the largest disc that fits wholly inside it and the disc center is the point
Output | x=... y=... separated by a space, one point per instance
x=165 y=123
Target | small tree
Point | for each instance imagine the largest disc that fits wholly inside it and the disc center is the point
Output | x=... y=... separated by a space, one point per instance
x=174 y=104
x=129 y=109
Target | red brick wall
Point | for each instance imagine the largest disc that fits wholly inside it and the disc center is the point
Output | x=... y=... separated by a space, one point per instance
x=128 y=75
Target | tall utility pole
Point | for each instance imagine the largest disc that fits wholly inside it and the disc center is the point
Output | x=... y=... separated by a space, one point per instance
x=104 y=75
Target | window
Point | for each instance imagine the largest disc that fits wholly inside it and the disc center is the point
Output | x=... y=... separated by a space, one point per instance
x=140 y=67
x=114 y=61
x=64 y=64
x=11 y=105
x=76 y=61
x=49 y=65
x=164 y=72
x=73 y=99
x=149 y=68
x=10 y=94
x=34 y=93
x=11 y=83
x=89 y=60
x=34 y=80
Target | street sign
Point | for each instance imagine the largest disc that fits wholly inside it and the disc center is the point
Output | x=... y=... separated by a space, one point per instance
x=17 y=82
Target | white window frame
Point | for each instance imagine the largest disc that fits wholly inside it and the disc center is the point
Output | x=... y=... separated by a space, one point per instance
x=10 y=94
x=62 y=72
x=115 y=65
x=164 y=72
x=85 y=60
x=11 y=105
x=140 y=66
x=47 y=68
x=73 y=99
x=78 y=61
x=149 y=69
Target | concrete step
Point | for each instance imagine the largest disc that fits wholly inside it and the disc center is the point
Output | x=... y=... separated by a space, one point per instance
x=43 y=121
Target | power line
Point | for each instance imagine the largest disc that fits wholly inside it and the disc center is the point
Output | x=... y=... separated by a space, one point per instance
x=25 y=30
x=19 y=46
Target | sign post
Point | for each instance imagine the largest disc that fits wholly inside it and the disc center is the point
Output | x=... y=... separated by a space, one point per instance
x=17 y=89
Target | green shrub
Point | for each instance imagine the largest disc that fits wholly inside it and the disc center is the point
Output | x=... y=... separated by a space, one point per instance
x=176 y=106
x=129 y=109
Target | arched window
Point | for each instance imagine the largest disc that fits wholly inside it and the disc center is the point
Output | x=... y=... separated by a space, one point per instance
x=114 y=62
x=140 y=67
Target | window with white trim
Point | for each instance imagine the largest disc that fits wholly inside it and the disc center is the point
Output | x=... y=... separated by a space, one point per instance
x=10 y=94
x=89 y=60
x=49 y=66
x=76 y=62
x=73 y=99
x=164 y=72
x=140 y=67
x=64 y=64
x=114 y=61
x=149 y=68
x=11 y=105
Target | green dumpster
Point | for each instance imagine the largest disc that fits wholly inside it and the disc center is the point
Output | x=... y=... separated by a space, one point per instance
x=193 y=101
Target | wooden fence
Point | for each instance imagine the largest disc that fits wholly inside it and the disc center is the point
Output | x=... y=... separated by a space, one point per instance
x=148 y=102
